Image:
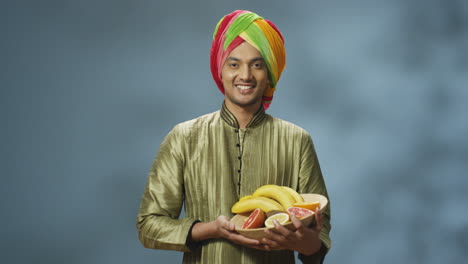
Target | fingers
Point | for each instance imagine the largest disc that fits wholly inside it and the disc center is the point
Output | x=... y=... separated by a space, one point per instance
x=227 y=230
x=278 y=236
x=270 y=243
x=230 y=226
x=222 y=218
x=297 y=223
x=225 y=223
x=273 y=236
x=278 y=231
x=281 y=229
x=261 y=247
x=245 y=241
x=319 y=220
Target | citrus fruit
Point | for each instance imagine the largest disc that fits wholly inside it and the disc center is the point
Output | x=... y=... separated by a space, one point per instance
x=282 y=218
x=308 y=205
x=273 y=212
x=299 y=212
x=255 y=219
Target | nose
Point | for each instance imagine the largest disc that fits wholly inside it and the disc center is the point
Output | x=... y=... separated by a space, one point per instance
x=245 y=73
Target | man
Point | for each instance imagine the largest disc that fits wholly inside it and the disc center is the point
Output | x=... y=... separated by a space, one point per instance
x=210 y=162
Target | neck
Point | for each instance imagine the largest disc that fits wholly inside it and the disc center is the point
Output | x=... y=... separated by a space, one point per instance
x=243 y=114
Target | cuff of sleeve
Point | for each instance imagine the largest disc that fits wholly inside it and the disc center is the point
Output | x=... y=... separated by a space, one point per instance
x=316 y=258
x=191 y=244
x=173 y=237
x=325 y=241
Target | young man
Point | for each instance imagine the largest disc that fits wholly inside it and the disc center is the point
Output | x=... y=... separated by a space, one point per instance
x=210 y=162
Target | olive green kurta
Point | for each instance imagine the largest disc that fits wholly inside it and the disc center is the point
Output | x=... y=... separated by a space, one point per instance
x=208 y=163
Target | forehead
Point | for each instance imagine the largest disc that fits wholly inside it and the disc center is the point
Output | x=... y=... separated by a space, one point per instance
x=245 y=51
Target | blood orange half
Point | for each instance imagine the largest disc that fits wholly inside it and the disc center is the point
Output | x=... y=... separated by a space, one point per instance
x=299 y=212
x=255 y=219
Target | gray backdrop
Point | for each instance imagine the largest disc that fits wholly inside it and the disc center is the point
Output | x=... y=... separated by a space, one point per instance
x=90 y=88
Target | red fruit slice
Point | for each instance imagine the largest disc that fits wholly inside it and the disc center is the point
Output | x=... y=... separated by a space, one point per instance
x=255 y=219
x=299 y=212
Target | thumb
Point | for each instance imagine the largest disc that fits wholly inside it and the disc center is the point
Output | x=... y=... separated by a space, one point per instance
x=222 y=218
x=225 y=223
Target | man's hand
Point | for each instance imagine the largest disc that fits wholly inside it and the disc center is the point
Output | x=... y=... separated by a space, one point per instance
x=222 y=228
x=303 y=240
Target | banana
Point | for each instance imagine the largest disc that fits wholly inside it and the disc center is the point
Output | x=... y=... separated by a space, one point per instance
x=246 y=197
x=294 y=194
x=248 y=205
x=277 y=193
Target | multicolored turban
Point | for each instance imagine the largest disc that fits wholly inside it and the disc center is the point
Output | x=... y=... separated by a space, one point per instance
x=240 y=26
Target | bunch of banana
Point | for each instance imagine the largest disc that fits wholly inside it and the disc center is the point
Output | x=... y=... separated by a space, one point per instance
x=297 y=197
x=268 y=198
x=250 y=204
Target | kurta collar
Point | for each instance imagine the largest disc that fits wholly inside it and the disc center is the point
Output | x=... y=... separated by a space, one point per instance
x=231 y=120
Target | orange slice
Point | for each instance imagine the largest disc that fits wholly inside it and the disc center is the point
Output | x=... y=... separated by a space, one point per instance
x=308 y=205
x=282 y=218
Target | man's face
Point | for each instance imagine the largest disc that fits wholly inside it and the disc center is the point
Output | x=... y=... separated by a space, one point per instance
x=245 y=77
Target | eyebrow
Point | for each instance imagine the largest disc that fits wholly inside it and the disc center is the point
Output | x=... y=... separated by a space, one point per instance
x=252 y=60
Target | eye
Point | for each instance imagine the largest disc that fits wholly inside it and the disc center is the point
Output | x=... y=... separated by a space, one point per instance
x=233 y=65
x=257 y=65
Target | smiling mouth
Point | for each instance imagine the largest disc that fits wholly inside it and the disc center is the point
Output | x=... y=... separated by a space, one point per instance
x=245 y=87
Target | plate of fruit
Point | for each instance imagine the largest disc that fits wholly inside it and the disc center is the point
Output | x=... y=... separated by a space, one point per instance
x=257 y=212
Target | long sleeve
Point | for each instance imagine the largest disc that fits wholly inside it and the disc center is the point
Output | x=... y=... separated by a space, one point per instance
x=158 y=224
x=311 y=181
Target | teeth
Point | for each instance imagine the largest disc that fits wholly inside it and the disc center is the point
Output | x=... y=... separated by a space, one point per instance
x=243 y=87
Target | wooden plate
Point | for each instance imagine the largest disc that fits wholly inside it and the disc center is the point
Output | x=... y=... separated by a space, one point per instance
x=258 y=233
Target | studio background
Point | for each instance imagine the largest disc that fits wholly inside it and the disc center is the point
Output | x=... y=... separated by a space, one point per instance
x=89 y=89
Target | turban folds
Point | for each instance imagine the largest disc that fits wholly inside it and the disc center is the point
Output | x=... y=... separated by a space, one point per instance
x=239 y=26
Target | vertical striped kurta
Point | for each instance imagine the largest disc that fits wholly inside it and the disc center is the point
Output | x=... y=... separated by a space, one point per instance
x=207 y=164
